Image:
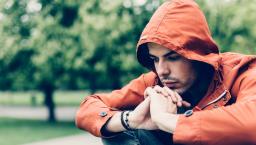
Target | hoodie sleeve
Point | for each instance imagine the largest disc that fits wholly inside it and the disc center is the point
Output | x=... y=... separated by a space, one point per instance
x=96 y=109
x=230 y=125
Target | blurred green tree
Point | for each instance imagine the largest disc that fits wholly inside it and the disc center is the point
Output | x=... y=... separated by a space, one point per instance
x=232 y=23
x=39 y=46
x=64 y=44
x=56 y=44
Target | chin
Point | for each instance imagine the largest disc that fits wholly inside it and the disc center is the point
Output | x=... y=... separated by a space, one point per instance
x=180 y=91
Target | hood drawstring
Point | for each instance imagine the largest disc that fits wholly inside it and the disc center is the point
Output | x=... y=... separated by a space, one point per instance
x=215 y=100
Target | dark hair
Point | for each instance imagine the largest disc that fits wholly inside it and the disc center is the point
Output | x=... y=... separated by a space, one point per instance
x=143 y=57
x=203 y=68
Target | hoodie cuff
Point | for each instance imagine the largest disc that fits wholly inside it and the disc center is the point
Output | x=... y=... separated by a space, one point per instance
x=187 y=130
x=107 y=134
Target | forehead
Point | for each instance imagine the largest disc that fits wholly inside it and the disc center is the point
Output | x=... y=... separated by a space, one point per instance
x=158 y=50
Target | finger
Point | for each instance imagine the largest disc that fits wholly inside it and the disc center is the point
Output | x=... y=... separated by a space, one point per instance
x=173 y=107
x=179 y=102
x=170 y=100
x=160 y=90
x=186 y=104
x=143 y=107
x=169 y=109
x=171 y=94
x=158 y=102
x=146 y=92
x=174 y=99
x=154 y=96
x=151 y=92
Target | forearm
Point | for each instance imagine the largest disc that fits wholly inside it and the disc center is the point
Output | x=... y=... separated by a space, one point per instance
x=166 y=121
x=233 y=124
x=114 y=124
x=136 y=119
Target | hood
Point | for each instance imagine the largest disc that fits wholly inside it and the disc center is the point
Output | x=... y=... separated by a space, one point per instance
x=180 y=26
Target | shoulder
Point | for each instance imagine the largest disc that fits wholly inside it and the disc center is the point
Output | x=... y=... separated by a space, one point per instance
x=235 y=64
x=236 y=69
x=149 y=78
x=231 y=59
x=245 y=83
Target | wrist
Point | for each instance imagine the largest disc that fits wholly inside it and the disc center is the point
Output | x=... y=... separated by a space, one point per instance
x=125 y=120
x=167 y=122
x=114 y=124
x=132 y=120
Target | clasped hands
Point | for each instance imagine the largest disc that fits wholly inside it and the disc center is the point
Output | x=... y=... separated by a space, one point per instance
x=158 y=110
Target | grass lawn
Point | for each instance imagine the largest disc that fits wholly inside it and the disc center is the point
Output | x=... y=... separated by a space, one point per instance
x=19 y=131
x=61 y=98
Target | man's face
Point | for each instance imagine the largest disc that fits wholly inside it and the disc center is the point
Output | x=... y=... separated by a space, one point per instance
x=174 y=71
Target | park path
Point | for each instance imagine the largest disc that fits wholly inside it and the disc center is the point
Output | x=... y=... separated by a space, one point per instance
x=81 y=139
x=62 y=114
x=29 y=112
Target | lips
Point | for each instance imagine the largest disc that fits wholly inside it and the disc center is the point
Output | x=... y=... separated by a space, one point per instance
x=170 y=84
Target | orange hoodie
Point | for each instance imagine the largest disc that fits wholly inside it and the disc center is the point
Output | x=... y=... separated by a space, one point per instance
x=227 y=113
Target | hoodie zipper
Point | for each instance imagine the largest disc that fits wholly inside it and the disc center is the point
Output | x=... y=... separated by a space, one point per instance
x=215 y=100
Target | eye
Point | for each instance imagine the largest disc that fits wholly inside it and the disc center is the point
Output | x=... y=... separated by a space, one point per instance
x=154 y=59
x=173 y=57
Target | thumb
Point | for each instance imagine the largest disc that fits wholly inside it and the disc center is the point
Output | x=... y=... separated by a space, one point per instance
x=143 y=107
x=185 y=104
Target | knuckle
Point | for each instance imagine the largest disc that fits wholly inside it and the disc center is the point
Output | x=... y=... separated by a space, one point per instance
x=157 y=87
x=148 y=89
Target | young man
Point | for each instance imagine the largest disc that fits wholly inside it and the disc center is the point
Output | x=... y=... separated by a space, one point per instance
x=193 y=94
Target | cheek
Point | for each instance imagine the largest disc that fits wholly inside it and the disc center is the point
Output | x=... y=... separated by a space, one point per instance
x=190 y=75
x=156 y=68
x=186 y=72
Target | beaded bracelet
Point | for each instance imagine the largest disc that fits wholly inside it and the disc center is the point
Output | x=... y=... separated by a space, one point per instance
x=125 y=121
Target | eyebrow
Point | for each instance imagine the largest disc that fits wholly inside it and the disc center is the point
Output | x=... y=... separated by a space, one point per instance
x=165 y=55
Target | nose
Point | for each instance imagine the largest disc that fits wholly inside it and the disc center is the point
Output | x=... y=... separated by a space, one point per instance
x=163 y=68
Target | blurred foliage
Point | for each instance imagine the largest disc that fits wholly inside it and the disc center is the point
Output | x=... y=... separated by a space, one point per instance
x=64 y=44
x=56 y=44
x=19 y=131
x=232 y=23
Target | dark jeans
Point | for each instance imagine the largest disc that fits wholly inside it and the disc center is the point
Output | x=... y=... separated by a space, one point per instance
x=140 y=137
